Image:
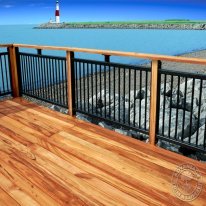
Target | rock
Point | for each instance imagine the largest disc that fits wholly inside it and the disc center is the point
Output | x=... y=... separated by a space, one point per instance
x=103 y=99
x=181 y=102
x=87 y=107
x=164 y=102
x=165 y=89
x=124 y=132
x=105 y=125
x=196 y=94
x=83 y=117
x=64 y=111
x=177 y=99
x=141 y=94
x=180 y=130
x=138 y=94
x=190 y=86
x=201 y=136
x=56 y=108
x=202 y=114
x=123 y=109
x=168 y=146
x=139 y=135
x=137 y=116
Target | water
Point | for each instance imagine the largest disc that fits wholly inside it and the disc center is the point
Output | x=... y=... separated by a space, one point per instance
x=168 y=42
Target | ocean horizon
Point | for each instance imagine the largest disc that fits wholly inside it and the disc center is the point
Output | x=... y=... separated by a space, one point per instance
x=164 y=42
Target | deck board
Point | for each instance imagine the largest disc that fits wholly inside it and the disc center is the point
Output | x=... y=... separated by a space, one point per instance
x=48 y=158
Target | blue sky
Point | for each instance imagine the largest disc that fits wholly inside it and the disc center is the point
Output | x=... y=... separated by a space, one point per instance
x=39 y=11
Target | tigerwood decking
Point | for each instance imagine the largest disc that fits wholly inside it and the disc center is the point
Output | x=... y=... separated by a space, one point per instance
x=47 y=158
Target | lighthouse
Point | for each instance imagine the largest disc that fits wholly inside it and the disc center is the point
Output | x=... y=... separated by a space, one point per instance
x=57 y=14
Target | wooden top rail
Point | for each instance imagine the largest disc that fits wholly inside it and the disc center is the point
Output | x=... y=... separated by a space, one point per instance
x=116 y=53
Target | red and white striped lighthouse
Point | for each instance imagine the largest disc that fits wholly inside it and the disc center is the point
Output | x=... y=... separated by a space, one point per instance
x=57 y=14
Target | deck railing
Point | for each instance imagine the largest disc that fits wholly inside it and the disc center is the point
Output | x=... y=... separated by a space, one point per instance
x=43 y=77
x=5 y=77
x=147 y=99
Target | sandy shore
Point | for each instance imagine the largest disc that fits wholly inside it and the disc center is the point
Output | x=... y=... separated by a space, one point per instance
x=188 y=67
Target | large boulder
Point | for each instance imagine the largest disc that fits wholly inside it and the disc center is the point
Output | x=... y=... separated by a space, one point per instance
x=104 y=98
x=181 y=115
x=139 y=114
x=165 y=89
x=138 y=94
x=202 y=110
x=200 y=136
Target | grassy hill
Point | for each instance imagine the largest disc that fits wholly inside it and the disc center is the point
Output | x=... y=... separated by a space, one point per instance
x=169 y=21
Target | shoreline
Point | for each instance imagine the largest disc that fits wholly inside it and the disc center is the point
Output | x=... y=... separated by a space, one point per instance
x=170 y=26
x=189 y=67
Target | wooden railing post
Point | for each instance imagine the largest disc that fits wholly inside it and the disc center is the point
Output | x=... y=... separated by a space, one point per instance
x=71 y=83
x=39 y=51
x=107 y=58
x=154 y=105
x=14 y=71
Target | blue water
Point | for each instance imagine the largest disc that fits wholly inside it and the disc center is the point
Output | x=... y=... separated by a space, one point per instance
x=167 y=42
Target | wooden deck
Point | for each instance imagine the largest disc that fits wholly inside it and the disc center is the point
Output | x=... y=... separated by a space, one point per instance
x=47 y=158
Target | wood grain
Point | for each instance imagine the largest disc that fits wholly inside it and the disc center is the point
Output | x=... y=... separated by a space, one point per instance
x=153 y=102
x=14 y=72
x=48 y=158
x=70 y=83
x=119 y=53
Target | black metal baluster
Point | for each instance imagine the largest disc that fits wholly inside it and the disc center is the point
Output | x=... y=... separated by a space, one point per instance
x=7 y=74
x=114 y=83
x=57 y=81
x=105 y=91
x=80 y=81
x=119 y=81
x=146 y=106
x=84 y=76
x=2 y=75
x=32 y=75
x=60 y=83
x=170 y=116
x=77 y=84
x=140 y=106
x=100 y=82
x=88 y=76
x=204 y=140
x=191 y=114
x=96 y=85
x=163 y=116
x=124 y=88
x=129 y=96
x=185 y=100
x=135 y=82
x=199 y=108
x=109 y=71
x=29 y=75
x=66 y=82
x=92 y=85
x=50 y=79
x=22 y=73
x=178 y=97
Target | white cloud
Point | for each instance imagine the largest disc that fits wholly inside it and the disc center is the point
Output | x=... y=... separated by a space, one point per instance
x=8 y=6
